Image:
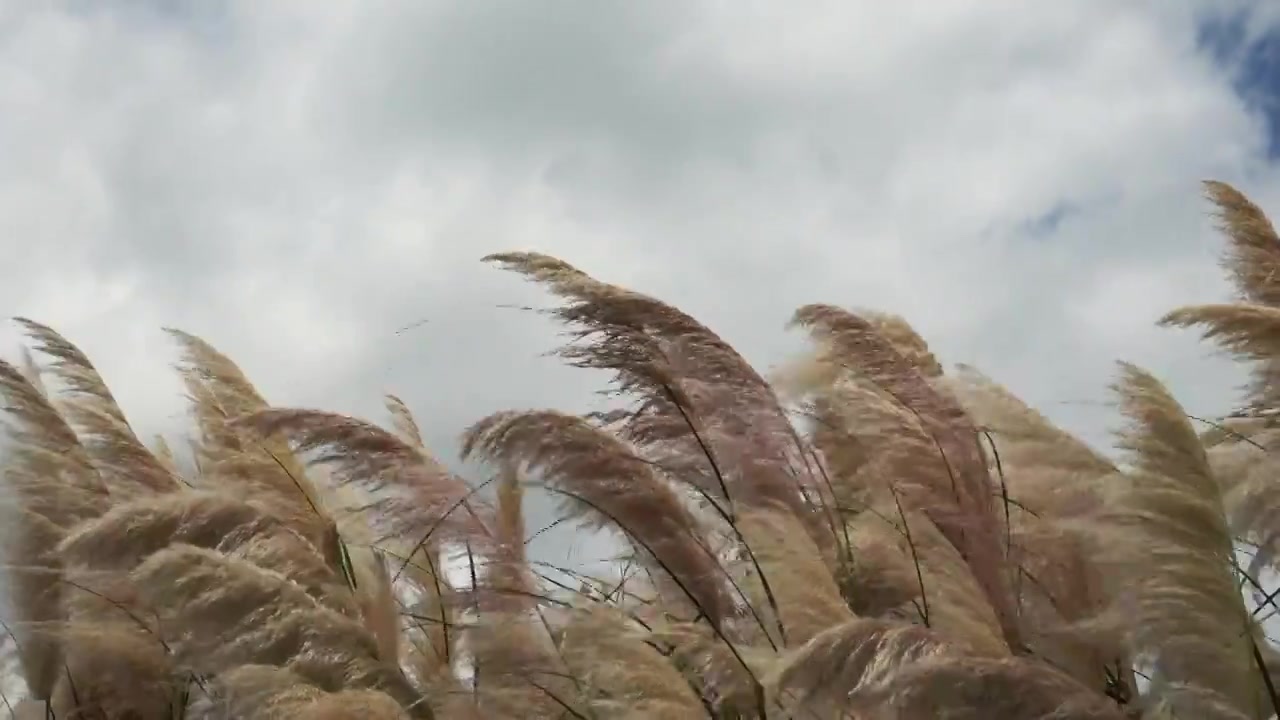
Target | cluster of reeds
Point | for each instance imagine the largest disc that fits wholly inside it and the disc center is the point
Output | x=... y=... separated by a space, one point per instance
x=862 y=536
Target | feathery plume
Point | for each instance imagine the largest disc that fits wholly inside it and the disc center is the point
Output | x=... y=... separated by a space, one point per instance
x=604 y=480
x=699 y=402
x=123 y=460
x=217 y=604
x=1253 y=256
x=962 y=506
x=1174 y=550
x=230 y=456
x=50 y=485
x=403 y=422
x=415 y=497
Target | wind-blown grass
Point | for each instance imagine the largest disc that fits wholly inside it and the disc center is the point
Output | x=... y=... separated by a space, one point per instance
x=865 y=535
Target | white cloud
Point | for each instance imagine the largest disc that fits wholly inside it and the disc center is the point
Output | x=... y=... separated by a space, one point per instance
x=295 y=181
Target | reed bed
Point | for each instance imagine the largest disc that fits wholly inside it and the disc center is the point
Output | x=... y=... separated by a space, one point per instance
x=862 y=535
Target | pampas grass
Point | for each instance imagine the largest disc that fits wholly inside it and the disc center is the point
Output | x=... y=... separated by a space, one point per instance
x=866 y=534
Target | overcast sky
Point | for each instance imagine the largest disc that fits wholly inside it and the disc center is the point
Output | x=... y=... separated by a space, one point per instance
x=296 y=180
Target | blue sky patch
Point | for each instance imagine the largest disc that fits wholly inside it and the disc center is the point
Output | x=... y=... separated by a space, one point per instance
x=1253 y=59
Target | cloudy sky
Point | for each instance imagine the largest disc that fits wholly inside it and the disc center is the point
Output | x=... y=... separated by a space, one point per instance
x=294 y=181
